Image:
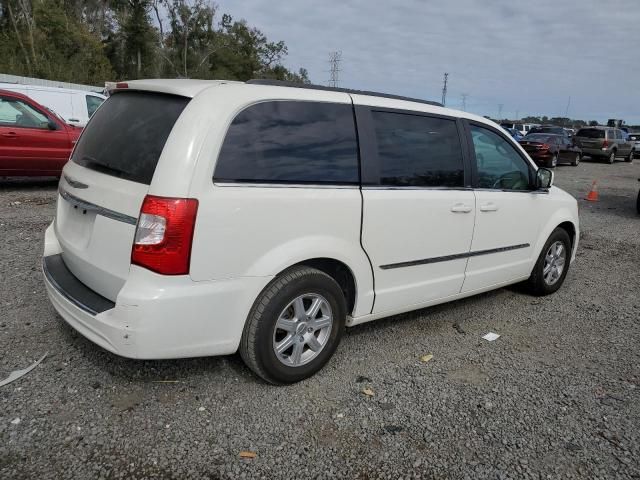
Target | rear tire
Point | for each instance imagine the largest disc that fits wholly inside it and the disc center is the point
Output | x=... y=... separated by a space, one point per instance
x=612 y=158
x=638 y=202
x=553 y=162
x=542 y=280
x=282 y=316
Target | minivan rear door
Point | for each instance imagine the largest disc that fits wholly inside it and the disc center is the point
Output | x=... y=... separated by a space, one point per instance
x=104 y=185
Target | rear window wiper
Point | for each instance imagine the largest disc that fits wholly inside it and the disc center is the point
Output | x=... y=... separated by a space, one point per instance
x=101 y=167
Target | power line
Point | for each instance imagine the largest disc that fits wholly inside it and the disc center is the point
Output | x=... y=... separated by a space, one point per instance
x=444 y=90
x=334 y=73
x=464 y=101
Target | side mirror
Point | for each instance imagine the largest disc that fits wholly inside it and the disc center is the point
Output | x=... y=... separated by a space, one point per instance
x=544 y=179
x=52 y=125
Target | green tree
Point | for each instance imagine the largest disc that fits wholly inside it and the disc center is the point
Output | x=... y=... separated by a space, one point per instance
x=93 y=41
x=41 y=39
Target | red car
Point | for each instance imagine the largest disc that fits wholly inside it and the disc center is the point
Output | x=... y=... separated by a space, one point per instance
x=549 y=149
x=34 y=141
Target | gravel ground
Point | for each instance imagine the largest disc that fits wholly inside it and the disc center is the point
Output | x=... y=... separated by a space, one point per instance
x=556 y=396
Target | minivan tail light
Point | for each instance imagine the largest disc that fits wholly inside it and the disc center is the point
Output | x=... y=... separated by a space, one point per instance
x=164 y=233
x=605 y=143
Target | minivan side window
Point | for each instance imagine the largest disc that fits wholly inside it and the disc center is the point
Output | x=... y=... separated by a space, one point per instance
x=417 y=150
x=291 y=142
x=499 y=165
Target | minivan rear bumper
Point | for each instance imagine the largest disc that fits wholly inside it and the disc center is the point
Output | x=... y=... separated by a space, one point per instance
x=154 y=316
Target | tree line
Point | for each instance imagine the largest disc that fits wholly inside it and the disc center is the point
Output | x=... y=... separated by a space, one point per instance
x=93 y=41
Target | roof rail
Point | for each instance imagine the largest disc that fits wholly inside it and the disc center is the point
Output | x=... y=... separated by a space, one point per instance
x=284 y=83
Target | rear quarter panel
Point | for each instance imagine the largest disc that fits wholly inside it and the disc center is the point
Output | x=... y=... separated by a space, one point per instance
x=248 y=230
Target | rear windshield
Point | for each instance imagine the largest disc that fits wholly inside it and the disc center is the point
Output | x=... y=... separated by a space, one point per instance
x=126 y=135
x=538 y=137
x=590 y=133
x=556 y=130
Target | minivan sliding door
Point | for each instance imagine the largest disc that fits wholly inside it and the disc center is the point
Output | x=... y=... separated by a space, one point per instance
x=418 y=215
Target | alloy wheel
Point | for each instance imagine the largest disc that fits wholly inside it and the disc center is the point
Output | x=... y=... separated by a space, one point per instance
x=302 y=330
x=554 y=263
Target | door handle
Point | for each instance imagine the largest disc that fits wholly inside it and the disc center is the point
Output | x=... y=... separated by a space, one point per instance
x=461 y=208
x=488 y=207
x=10 y=134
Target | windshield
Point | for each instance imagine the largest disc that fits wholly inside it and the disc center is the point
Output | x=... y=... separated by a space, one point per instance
x=126 y=136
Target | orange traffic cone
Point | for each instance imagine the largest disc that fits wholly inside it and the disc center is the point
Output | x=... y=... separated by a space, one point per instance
x=592 y=196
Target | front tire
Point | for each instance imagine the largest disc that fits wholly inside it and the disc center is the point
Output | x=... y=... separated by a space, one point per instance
x=576 y=160
x=629 y=159
x=295 y=326
x=552 y=265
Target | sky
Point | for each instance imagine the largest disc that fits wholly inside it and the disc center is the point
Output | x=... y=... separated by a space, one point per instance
x=535 y=57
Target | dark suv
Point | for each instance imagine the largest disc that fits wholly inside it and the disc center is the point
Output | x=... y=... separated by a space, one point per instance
x=605 y=143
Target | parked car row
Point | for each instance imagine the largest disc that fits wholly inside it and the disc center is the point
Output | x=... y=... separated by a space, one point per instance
x=549 y=145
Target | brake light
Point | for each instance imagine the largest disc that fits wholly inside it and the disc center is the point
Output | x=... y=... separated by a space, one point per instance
x=122 y=85
x=605 y=143
x=164 y=234
x=544 y=146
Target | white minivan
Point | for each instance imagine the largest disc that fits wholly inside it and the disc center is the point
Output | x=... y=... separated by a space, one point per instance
x=206 y=217
x=74 y=106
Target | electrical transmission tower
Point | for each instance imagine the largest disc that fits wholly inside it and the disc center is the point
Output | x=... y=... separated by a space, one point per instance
x=464 y=101
x=444 y=90
x=334 y=73
x=500 y=106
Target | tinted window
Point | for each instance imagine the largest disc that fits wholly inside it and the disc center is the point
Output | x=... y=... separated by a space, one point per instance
x=126 y=136
x=554 y=130
x=418 y=151
x=500 y=166
x=297 y=142
x=93 y=103
x=538 y=137
x=590 y=133
x=16 y=113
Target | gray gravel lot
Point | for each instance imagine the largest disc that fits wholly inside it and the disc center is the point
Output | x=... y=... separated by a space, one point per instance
x=556 y=396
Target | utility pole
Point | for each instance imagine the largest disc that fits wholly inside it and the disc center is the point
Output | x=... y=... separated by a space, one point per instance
x=464 y=101
x=334 y=73
x=517 y=117
x=444 y=90
x=500 y=105
x=566 y=110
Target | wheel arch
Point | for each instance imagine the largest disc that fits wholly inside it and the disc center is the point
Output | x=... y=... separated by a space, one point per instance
x=340 y=272
x=562 y=219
